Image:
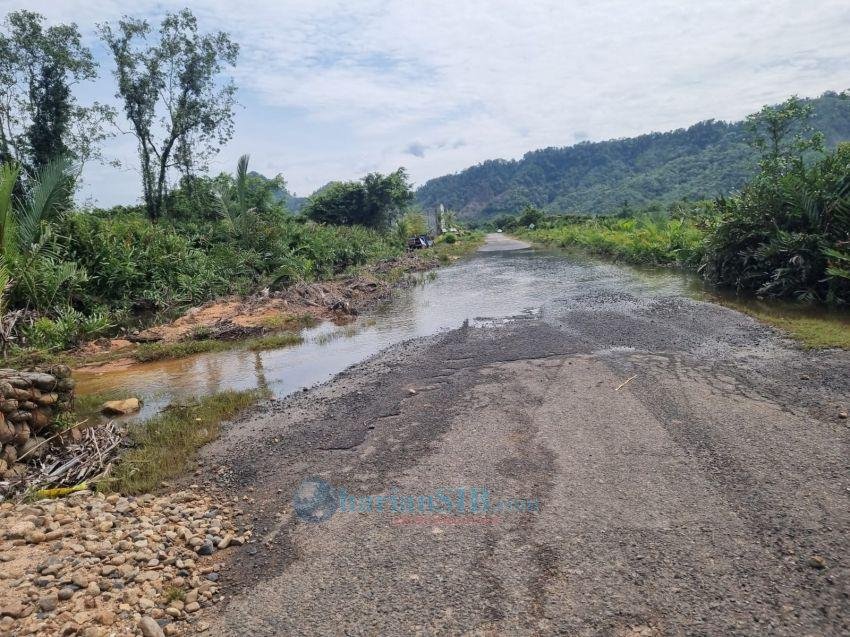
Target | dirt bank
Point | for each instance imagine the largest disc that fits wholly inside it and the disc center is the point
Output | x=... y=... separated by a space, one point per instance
x=237 y=317
x=687 y=468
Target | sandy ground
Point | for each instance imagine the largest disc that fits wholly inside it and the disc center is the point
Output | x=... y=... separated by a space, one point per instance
x=685 y=467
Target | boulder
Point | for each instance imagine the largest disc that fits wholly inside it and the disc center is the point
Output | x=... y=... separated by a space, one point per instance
x=22 y=433
x=40 y=380
x=40 y=419
x=149 y=627
x=9 y=454
x=19 y=416
x=121 y=407
x=7 y=430
x=48 y=399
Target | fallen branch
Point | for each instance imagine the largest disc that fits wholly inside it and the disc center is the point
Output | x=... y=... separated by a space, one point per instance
x=626 y=382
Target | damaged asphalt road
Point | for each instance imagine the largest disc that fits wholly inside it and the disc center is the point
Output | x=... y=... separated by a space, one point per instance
x=690 y=467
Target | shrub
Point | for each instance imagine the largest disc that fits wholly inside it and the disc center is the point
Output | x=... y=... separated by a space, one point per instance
x=787 y=236
x=69 y=328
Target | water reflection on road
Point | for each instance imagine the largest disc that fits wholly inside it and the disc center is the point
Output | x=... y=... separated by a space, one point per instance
x=487 y=286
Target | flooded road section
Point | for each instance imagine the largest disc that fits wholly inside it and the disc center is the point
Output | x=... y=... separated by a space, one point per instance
x=504 y=279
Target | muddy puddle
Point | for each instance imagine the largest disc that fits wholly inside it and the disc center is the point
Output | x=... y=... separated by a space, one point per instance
x=486 y=287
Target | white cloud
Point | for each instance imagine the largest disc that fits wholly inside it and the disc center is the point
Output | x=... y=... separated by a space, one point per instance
x=335 y=88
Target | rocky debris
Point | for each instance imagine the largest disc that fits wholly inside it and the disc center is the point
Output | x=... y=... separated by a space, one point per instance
x=121 y=407
x=30 y=402
x=150 y=628
x=120 y=565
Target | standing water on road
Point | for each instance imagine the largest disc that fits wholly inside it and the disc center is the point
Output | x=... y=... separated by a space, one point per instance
x=498 y=282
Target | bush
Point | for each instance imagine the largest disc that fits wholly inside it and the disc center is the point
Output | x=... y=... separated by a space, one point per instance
x=68 y=329
x=449 y=238
x=141 y=266
x=787 y=236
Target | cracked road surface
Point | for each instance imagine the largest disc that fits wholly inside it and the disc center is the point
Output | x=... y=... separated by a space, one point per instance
x=708 y=495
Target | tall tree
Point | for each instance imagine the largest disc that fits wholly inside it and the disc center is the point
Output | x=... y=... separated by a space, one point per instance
x=782 y=134
x=39 y=117
x=172 y=90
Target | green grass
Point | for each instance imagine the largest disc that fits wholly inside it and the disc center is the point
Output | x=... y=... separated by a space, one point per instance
x=173 y=593
x=812 y=332
x=461 y=246
x=166 y=442
x=274 y=341
x=288 y=321
x=640 y=240
x=160 y=351
x=149 y=352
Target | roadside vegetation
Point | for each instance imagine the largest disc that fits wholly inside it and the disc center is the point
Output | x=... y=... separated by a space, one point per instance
x=784 y=235
x=649 y=239
x=165 y=443
x=69 y=275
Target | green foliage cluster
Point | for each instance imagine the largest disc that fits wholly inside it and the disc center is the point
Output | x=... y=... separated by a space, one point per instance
x=704 y=161
x=375 y=201
x=411 y=224
x=71 y=275
x=39 y=116
x=787 y=234
x=142 y=266
x=645 y=239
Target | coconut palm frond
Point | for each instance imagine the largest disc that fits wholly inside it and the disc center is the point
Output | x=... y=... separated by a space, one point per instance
x=48 y=194
x=242 y=183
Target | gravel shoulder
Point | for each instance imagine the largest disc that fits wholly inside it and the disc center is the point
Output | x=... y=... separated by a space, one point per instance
x=690 y=468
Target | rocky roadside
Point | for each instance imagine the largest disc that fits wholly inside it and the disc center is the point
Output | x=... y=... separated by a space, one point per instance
x=96 y=565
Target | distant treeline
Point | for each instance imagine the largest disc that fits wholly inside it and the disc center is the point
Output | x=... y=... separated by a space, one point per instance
x=704 y=161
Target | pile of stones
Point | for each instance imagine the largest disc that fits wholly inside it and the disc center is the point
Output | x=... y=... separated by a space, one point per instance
x=98 y=565
x=30 y=403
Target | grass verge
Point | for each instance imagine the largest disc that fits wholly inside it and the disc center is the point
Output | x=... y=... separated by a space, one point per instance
x=274 y=341
x=639 y=240
x=812 y=332
x=443 y=251
x=166 y=442
x=147 y=352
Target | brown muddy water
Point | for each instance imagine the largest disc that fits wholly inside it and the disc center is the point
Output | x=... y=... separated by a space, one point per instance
x=488 y=287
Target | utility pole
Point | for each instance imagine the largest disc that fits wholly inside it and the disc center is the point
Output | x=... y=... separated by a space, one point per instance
x=438 y=218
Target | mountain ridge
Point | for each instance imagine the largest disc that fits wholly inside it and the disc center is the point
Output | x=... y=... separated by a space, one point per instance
x=707 y=159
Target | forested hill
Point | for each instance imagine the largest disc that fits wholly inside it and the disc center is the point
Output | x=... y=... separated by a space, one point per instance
x=703 y=161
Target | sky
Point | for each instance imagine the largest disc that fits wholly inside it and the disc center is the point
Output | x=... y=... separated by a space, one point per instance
x=332 y=89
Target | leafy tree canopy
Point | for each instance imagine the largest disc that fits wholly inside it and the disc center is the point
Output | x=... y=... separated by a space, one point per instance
x=39 y=117
x=374 y=201
x=172 y=92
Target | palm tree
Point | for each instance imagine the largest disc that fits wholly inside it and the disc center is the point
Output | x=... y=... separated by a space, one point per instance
x=28 y=251
x=233 y=200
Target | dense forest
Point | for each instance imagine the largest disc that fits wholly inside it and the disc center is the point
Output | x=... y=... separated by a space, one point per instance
x=708 y=159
